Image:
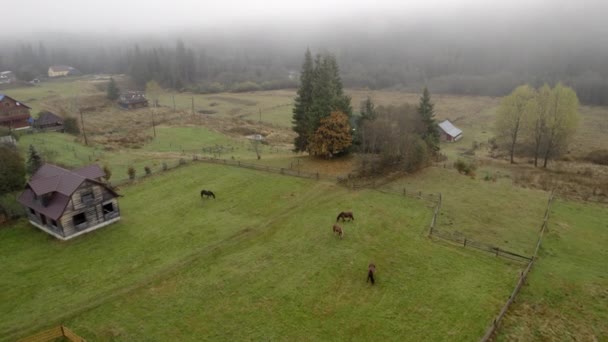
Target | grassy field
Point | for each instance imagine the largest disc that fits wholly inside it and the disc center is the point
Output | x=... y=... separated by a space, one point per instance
x=567 y=293
x=497 y=213
x=259 y=262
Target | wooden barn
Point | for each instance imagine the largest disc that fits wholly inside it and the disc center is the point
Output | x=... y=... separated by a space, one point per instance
x=48 y=121
x=67 y=203
x=62 y=71
x=449 y=132
x=13 y=114
x=132 y=100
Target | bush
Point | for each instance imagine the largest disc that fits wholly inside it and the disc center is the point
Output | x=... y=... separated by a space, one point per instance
x=465 y=168
x=12 y=170
x=242 y=87
x=131 y=172
x=70 y=125
x=598 y=157
x=148 y=170
x=10 y=208
x=108 y=172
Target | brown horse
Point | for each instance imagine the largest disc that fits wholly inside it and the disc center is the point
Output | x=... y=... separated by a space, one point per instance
x=338 y=229
x=371 y=270
x=345 y=215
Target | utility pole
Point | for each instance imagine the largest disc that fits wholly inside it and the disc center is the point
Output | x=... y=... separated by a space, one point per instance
x=192 y=107
x=260 y=109
x=153 y=124
x=173 y=103
x=84 y=134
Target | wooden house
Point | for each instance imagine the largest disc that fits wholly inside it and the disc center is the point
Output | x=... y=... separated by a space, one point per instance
x=449 y=132
x=132 y=100
x=13 y=114
x=48 y=121
x=62 y=70
x=67 y=203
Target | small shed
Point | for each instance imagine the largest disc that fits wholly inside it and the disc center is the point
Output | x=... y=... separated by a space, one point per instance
x=449 y=132
x=62 y=70
x=48 y=121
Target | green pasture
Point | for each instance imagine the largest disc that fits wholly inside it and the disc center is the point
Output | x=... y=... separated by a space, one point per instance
x=567 y=293
x=259 y=262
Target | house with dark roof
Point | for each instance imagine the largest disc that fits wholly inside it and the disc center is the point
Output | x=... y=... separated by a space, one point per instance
x=13 y=114
x=132 y=100
x=66 y=203
x=449 y=132
x=48 y=121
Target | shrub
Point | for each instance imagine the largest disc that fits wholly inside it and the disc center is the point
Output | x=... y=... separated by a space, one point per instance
x=107 y=171
x=70 y=125
x=10 y=208
x=148 y=170
x=12 y=170
x=598 y=157
x=131 y=172
x=465 y=168
x=242 y=87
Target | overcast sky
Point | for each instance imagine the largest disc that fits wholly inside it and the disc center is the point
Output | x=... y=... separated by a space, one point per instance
x=111 y=16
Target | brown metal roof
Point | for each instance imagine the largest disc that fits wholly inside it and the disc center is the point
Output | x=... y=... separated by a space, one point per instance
x=90 y=171
x=59 y=184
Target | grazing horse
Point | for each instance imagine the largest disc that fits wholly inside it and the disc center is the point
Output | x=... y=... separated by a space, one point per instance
x=345 y=215
x=207 y=193
x=371 y=270
x=338 y=229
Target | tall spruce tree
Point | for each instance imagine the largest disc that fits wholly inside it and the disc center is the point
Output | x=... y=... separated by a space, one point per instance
x=303 y=103
x=113 y=91
x=320 y=93
x=427 y=113
x=34 y=161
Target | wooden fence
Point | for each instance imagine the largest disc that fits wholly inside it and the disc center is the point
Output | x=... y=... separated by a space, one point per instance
x=491 y=330
x=52 y=334
x=461 y=239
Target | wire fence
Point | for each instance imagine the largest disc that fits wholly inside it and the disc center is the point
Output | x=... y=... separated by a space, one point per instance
x=493 y=327
x=461 y=239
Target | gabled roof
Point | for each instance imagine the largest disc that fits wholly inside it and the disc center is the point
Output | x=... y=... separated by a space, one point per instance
x=59 y=184
x=60 y=68
x=2 y=96
x=48 y=118
x=450 y=129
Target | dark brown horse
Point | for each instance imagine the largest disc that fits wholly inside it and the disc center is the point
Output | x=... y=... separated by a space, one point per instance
x=338 y=229
x=207 y=193
x=371 y=270
x=345 y=215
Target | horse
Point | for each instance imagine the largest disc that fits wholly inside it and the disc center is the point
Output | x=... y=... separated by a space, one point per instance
x=338 y=229
x=371 y=270
x=345 y=215
x=207 y=193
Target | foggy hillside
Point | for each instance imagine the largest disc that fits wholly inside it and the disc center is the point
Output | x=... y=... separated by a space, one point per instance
x=470 y=49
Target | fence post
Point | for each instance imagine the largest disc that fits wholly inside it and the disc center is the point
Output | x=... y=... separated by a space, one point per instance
x=317 y=175
x=465 y=242
x=62 y=331
x=404 y=193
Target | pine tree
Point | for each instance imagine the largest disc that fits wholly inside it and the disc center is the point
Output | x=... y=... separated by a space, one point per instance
x=34 y=161
x=367 y=112
x=425 y=109
x=303 y=103
x=113 y=91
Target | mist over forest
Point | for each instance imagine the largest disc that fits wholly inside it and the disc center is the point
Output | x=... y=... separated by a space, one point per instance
x=484 y=53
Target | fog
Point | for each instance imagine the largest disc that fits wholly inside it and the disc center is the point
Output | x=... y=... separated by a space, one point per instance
x=468 y=46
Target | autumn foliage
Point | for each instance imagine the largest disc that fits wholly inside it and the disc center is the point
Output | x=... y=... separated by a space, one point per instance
x=332 y=137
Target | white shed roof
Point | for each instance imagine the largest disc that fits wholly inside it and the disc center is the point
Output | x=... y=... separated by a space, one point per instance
x=450 y=129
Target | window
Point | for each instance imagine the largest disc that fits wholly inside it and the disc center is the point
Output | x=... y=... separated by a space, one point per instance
x=87 y=197
x=108 y=208
x=32 y=211
x=79 y=219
